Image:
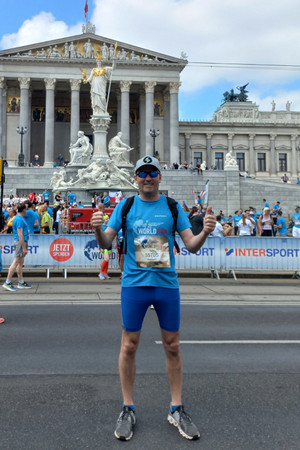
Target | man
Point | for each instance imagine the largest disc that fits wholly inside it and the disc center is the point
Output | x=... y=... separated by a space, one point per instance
x=21 y=236
x=281 y=224
x=150 y=278
x=31 y=218
x=46 y=226
x=46 y=195
x=296 y=219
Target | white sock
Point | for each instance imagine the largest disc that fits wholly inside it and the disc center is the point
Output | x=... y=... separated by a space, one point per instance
x=8 y=281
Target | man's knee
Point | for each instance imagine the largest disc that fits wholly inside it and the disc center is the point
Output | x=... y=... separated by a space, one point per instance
x=171 y=344
x=129 y=344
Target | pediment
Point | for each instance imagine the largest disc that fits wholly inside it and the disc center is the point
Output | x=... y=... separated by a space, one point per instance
x=240 y=147
x=86 y=47
x=219 y=147
x=197 y=146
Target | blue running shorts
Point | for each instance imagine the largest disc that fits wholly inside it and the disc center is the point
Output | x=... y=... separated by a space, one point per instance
x=136 y=300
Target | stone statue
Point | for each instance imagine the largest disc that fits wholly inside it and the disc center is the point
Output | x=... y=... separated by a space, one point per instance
x=66 y=50
x=288 y=106
x=98 y=80
x=203 y=165
x=58 y=180
x=91 y=174
x=118 y=176
x=273 y=105
x=88 y=49
x=72 y=50
x=41 y=53
x=230 y=160
x=104 y=51
x=118 y=150
x=81 y=151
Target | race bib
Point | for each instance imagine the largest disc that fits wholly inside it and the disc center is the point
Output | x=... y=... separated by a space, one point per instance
x=152 y=251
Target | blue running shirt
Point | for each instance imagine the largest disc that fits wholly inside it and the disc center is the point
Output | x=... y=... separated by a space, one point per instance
x=149 y=260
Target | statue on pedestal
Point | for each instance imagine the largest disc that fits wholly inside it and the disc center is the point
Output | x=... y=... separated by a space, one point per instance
x=118 y=150
x=98 y=79
x=81 y=152
x=230 y=160
x=58 y=180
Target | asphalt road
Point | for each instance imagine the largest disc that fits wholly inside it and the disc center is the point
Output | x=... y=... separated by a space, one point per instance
x=59 y=379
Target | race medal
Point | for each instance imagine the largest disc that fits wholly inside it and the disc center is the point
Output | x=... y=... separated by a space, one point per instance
x=152 y=251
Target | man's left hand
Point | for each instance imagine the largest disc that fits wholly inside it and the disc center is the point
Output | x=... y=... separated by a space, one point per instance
x=209 y=222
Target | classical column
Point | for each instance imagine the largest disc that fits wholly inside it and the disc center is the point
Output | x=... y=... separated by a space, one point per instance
x=273 y=160
x=49 y=123
x=75 y=109
x=118 y=95
x=208 y=151
x=174 y=123
x=24 y=116
x=125 y=111
x=167 y=156
x=294 y=159
x=251 y=167
x=142 y=123
x=187 y=152
x=149 y=89
x=2 y=85
x=230 y=137
x=29 y=125
x=3 y=138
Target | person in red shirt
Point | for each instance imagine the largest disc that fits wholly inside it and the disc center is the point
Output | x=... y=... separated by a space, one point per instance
x=32 y=197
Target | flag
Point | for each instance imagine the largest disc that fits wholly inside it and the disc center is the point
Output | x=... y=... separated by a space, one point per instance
x=86 y=8
x=206 y=193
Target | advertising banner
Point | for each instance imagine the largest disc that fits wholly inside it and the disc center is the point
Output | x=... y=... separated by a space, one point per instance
x=63 y=251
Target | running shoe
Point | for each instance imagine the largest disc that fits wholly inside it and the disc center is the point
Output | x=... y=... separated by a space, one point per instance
x=101 y=276
x=125 y=424
x=180 y=419
x=9 y=287
x=2 y=320
x=107 y=277
x=24 y=285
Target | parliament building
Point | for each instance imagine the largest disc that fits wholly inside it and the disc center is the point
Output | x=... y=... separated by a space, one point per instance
x=42 y=89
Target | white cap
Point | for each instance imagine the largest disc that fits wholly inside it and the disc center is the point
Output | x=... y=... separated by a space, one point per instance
x=147 y=161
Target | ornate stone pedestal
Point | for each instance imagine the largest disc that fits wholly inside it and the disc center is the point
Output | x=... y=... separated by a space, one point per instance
x=231 y=168
x=100 y=125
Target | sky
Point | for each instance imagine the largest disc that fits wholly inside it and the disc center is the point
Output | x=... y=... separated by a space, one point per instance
x=252 y=32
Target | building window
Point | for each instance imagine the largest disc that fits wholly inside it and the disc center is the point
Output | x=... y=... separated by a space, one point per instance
x=197 y=158
x=219 y=161
x=261 y=162
x=282 y=162
x=240 y=157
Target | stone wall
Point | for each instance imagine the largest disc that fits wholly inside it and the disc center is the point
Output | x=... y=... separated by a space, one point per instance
x=227 y=190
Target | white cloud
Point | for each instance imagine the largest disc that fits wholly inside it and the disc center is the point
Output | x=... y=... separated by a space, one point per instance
x=39 y=28
x=216 y=31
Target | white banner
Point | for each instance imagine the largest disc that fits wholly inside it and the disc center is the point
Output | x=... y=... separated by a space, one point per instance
x=217 y=253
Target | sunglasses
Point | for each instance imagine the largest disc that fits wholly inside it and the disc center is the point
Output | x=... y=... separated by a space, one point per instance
x=153 y=174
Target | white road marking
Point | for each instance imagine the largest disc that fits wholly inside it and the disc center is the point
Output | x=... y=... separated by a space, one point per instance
x=240 y=342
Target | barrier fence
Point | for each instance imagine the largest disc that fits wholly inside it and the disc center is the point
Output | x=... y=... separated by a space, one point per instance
x=230 y=254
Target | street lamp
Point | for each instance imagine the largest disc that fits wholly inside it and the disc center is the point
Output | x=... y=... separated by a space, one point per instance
x=21 y=157
x=154 y=133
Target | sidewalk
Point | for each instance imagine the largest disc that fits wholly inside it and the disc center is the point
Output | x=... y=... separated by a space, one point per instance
x=78 y=289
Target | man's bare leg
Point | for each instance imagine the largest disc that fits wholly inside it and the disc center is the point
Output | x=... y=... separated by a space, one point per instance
x=127 y=365
x=173 y=364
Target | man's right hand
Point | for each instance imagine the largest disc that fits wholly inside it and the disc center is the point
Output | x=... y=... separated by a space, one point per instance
x=25 y=251
x=97 y=219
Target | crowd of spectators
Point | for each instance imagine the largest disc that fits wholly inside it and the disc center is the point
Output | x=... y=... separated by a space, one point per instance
x=249 y=222
x=45 y=218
